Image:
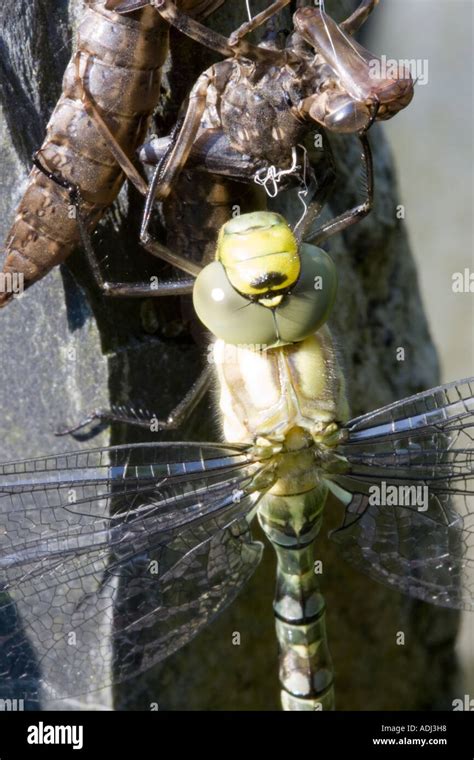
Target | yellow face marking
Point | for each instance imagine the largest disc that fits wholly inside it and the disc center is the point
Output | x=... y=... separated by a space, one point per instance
x=271 y=303
x=259 y=253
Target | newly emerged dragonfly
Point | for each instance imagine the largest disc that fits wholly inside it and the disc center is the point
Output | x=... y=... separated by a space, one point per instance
x=156 y=537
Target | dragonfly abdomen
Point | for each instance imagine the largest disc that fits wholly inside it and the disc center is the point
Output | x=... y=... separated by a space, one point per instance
x=292 y=522
x=117 y=70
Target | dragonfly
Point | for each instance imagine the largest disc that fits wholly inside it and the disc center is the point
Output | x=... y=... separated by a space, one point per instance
x=244 y=115
x=244 y=119
x=156 y=538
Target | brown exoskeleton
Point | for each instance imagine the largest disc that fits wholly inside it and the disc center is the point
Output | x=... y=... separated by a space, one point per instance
x=252 y=110
x=261 y=108
x=261 y=100
x=111 y=87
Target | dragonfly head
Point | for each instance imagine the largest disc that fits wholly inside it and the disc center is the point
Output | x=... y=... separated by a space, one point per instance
x=260 y=255
x=263 y=289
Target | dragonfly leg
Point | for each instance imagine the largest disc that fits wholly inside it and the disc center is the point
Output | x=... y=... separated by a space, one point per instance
x=168 y=169
x=171 y=287
x=116 y=150
x=359 y=17
x=182 y=411
x=192 y=28
x=174 y=420
x=326 y=180
x=154 y=288
x=348 y=218
x=227 y=47
x=257 y=20
x=120 y=289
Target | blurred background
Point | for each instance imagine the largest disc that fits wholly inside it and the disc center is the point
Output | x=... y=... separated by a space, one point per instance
x=433 y=145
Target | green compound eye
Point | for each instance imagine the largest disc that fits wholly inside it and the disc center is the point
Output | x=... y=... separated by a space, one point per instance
x=310 y=303
x=226 y=313
x=235 y=319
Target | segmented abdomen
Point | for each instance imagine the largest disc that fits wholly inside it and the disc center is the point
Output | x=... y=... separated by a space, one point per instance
x=118 y=61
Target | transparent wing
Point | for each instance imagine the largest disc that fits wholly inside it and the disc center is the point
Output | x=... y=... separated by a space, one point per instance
x=354 y=65
x=149 y=541
x=408 y=490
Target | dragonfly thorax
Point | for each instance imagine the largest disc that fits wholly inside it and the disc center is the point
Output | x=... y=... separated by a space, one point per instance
x=273 y=393
x=300 y=462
